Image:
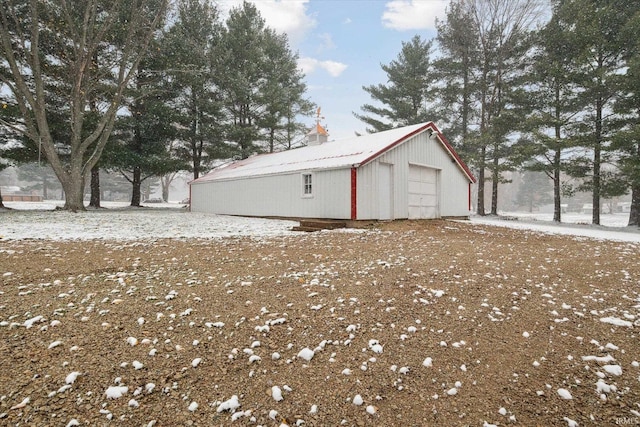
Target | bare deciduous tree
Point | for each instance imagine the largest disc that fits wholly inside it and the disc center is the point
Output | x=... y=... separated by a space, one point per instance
x=58 y=58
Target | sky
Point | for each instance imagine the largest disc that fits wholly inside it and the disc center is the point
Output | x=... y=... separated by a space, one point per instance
x=341 y=45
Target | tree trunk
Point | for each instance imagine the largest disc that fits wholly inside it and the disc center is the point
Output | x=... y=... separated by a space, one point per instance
x=94 y=200
x=73 y=189
x=495 y=176
x=557 y=158
x=634 y=214
x=1 y=203
x=466 y=97
x=196 y=162
x=480 y=203
x=557 y=206
x=597 y=149
x=272 y=137
x=45 y=186
x=165 y=189
x=137 y=184
x=596 y=180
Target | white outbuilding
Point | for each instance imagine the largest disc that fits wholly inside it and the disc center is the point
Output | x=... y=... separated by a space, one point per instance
x=411 y=172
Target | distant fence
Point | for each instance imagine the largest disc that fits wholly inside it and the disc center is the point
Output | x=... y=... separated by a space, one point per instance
x=21 y=198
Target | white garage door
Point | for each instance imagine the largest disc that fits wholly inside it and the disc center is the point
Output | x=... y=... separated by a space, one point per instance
x=423 y=192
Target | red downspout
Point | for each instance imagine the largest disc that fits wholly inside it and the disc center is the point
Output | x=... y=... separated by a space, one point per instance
x=354 y=199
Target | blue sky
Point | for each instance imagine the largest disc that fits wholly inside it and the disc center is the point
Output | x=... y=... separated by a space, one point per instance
x=341 y=44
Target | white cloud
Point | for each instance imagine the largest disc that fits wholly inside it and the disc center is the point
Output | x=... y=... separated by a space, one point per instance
x=284 y=16
x=309 y=65
x=326 y=42
x=413 y=14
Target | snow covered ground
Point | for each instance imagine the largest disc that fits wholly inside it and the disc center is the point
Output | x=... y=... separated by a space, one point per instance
x=30 y=220
x=612 y=226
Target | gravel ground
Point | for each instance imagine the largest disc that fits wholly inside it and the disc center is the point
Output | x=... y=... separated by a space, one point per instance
x=428 y=323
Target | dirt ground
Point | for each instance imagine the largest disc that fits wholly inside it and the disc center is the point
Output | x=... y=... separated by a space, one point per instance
x=430 y=323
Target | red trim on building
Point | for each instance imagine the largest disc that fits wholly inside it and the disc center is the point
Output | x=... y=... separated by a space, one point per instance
x=400 y=141
x=354 y=199
x=441 y=138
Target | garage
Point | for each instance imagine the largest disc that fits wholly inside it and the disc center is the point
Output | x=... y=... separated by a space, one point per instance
x=423 y=192
x=395 y=174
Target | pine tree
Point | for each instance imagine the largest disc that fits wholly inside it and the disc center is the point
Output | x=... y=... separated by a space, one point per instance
x=261 y=88
x=550 y=96
x=282 y=96
x=405 y=99
x=533 y=191
x=484 y=63
x=190 y=43
x=139 y=149
x=454 y=70
x=502 y=27
x=595 y=28
x=627 y=140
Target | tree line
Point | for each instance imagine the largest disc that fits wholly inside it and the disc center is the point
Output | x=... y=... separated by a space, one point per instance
x=145 y=88
x=528 y=85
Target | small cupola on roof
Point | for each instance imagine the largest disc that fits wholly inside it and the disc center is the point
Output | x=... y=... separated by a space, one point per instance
x=318 y=134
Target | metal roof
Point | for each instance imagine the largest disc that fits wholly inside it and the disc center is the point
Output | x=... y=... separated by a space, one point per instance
x=350 y=152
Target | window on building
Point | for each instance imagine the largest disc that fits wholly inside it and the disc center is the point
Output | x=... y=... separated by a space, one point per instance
x=307 y=185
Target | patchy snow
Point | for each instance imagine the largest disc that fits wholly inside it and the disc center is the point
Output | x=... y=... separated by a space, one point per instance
x=229 y=405
x=306 y=354
x=114 y=392
x=565 y=394
x=616 y=321
x=118 y=221
x=31 y=220
x=40 y=221
x=612 y=226
x=126 y=224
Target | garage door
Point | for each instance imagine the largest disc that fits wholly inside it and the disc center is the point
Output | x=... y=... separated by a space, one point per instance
x=423 y=192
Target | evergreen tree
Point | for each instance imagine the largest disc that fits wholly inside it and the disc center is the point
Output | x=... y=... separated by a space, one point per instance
x=550 y=95
x=454 y=70
x=485 y=44
x=239 y=64
x=533 y=191
x=503 y=28
x=261 y=88
x=140 y=150
x=600 y=46
x=406 y=98
x=282 y=95
x=627 y=140
x=49 y=50
x=190 y=43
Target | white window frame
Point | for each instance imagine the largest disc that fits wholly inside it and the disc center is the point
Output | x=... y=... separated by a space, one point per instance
x=307 y=186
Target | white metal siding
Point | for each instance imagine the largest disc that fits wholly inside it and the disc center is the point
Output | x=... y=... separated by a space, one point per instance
x=386 y=190
x=277 y=195
x=281 y=195
x=424 y=200
x=422 y=151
